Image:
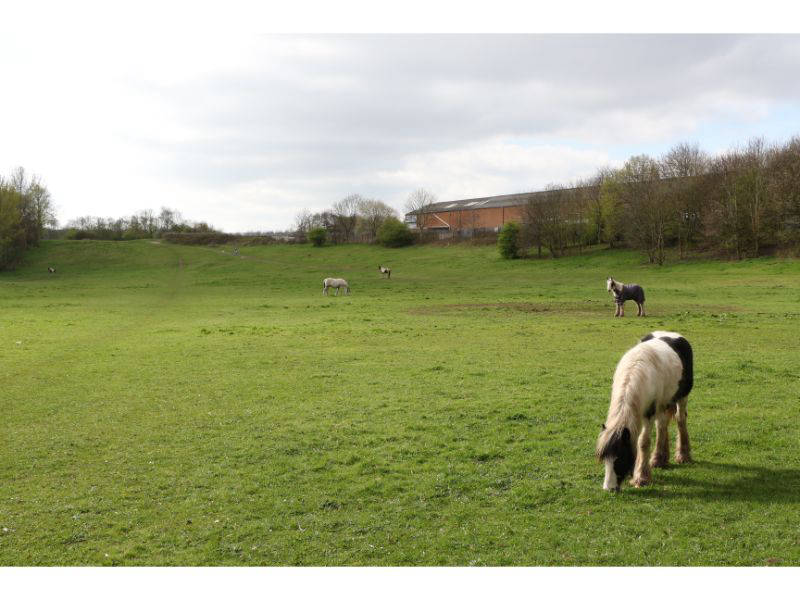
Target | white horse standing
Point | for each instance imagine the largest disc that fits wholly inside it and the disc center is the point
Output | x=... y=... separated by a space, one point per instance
x=330 y=282
x=653 y=378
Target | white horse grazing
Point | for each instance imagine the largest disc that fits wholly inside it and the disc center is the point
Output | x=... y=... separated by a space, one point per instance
x=330 y=282
x=653 y=378
x=385 y=271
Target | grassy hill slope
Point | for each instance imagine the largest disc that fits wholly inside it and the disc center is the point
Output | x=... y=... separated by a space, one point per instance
x=171 y=405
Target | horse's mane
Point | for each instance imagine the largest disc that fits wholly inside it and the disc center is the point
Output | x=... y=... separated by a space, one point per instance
x=625 y=406
x=616 y=286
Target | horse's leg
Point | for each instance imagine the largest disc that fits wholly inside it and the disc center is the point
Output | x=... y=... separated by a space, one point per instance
x=641 y=472
x=683 y=453
x=641 y=309
x=621 y=310
x=660 y=457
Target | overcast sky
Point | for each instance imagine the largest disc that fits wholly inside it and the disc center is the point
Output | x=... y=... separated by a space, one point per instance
x=245 y=131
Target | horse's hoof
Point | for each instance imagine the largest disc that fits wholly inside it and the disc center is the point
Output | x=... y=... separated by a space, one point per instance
x=640 y=482
x=659 y=463
x=683 y=459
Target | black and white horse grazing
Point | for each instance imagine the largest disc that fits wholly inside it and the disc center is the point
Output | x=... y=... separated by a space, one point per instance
x=385 y=271
x=330 y=282
x=51 y=269
x=624 y=292
x=653 y=379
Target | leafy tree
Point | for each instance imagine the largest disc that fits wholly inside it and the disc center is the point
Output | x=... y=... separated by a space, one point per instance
x=394 y=234
x=508 y=242
x=318 y=236
x=25 y=210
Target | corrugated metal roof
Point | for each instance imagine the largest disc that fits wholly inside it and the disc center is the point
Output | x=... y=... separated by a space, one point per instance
x=489 y=201
x=486 y=202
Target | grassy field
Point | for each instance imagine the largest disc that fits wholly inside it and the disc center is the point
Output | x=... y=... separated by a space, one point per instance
x=171 y=405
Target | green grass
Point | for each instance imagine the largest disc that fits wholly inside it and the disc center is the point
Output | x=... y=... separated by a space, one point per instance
x=172 y=405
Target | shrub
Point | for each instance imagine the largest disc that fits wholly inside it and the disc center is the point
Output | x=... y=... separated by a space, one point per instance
x=134 y=234
x=318 y=236
x=508 y=240
x=394 y=234
x=198 y=239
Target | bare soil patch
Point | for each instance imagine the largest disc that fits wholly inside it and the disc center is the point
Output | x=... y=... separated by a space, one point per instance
x=588 y=307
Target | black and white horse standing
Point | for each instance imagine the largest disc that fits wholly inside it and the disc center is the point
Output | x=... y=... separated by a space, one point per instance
x=622 y=292
x=653 y=379
x=385 y=271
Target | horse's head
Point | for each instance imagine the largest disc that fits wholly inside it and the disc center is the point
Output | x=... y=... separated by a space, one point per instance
x=609 y=284
x=617 y=450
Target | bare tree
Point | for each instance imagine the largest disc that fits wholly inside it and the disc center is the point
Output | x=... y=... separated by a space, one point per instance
x=148 y=221
x=594 y=214
x=546 y=218
x=302 y=225
x=19 y=180
x=417 y=203
x=345 y=216
x=784 y=182
x=645 y=211
x=683 y=168
x=169 y=219
x=371 y=215
x=533 y=221
x=738 y=196
x=754 y=180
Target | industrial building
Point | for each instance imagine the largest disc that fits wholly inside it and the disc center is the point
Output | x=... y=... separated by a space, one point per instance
x=471 y=215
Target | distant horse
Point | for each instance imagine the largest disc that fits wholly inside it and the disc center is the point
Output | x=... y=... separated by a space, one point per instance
x=653 y=379
x=624 y=292
x=330 y=282
x=236 y=251
x=385 y=271
x=51 y=269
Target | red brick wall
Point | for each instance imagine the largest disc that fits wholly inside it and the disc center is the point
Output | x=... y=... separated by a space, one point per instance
x=480 y=218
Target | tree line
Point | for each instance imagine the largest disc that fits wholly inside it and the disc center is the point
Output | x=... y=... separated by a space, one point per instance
x=355 y=218
x=740 y=203
x=26 y=209
x=142 y=225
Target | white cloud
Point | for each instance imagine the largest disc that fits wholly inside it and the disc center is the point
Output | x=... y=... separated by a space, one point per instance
x=245 y=130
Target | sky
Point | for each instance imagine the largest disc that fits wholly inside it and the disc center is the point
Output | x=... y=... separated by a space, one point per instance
x=244 y=129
